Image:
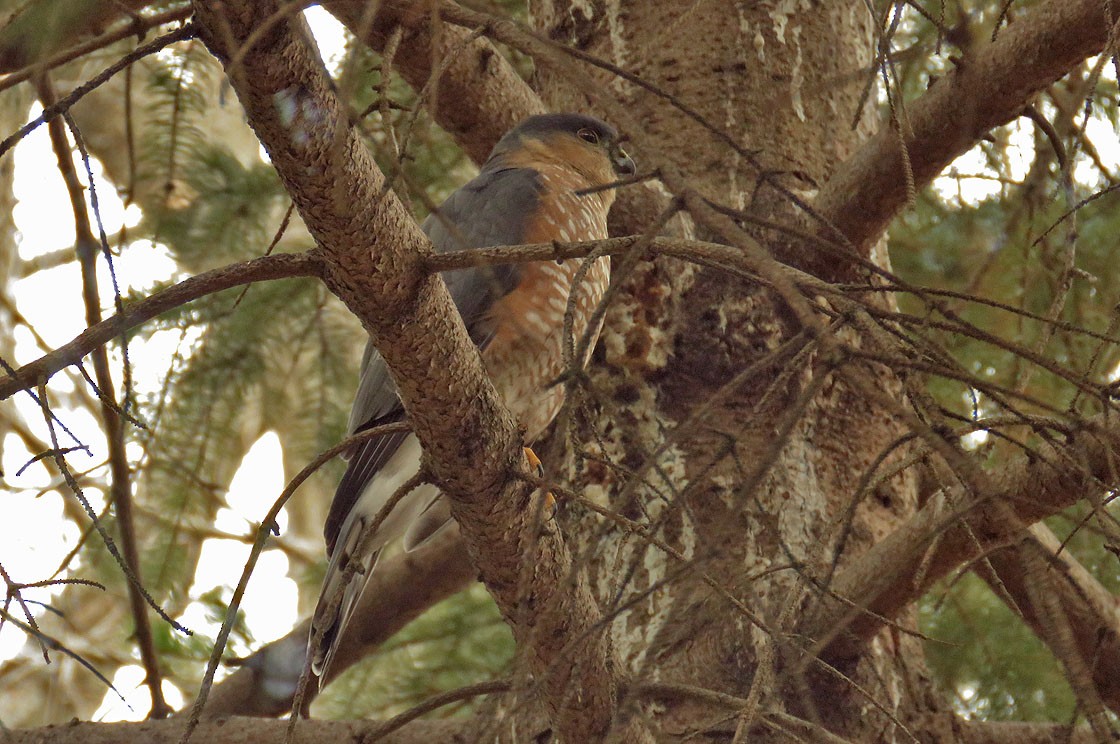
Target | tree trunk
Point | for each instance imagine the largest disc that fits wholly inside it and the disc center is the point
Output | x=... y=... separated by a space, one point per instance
x=764 y=491
x=744 y=487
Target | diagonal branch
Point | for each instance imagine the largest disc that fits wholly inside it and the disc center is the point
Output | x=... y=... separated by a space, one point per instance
x=374 y=254
x=952 y=530
x=988 y=88
x=282 y=266
x=1088 y=607
x=479 y=96
x=288 y=265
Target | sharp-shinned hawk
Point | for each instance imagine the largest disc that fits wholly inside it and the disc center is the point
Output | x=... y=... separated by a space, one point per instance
x=538 y=185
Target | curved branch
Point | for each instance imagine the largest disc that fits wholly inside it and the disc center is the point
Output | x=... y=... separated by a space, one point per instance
x=373 y=252
x=281 y=266
x=988 y=88
x=951 y=530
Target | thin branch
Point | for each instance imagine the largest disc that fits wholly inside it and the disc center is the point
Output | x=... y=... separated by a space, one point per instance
x=134 y=27
x=266 y=528
x=121 y=478
x=106 y=538
x=404 y=586
x=187 y=31
x=283 y=266
x=50 y=642
x=434 y=703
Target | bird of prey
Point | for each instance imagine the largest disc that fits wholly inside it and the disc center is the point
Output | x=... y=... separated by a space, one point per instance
x=538 y=185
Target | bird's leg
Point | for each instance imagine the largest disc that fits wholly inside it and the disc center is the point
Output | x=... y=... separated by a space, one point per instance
x=536 y=467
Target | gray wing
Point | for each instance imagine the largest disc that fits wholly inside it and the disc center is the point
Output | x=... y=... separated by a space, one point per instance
x=493 y=209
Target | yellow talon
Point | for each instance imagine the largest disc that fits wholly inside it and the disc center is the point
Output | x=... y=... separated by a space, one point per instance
x=549 y=499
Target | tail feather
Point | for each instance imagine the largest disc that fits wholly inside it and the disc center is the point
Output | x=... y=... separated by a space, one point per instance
x=346 y=578
x=349 y=570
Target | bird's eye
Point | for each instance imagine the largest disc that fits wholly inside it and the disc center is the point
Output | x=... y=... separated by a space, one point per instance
x=588 y=135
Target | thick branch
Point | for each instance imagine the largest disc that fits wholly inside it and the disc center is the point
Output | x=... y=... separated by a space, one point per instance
x=1089 y=608
x=374 y=255
x=400 y=590
x=282 y=266
x=950 y=531
x=949 y=727
x=479 y=96
x=238 y=731
x=988 y=88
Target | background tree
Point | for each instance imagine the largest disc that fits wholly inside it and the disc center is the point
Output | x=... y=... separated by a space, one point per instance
x=803 y=489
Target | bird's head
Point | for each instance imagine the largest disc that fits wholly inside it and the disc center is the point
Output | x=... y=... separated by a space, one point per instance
x=582 y=143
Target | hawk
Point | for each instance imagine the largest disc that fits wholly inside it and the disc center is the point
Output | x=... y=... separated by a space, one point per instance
x=540 y=184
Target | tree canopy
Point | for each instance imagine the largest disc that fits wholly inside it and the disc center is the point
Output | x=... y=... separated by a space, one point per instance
x=840 y=469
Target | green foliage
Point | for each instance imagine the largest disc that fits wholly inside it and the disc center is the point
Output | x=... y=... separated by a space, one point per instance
x=459 y=642
x=1011 y=247
x=987 y=661
x=232 y=213
x=276 y=360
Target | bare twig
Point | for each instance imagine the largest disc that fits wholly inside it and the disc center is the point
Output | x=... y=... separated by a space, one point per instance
x=49 y=112
x=121 y=479
x=134 y=27
x=266 y=528
x=281 y=266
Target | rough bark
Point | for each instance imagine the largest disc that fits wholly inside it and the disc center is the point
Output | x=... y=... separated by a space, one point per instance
x=373 y=253
x=1087 y=606
x=239 y=731
x=737 y=501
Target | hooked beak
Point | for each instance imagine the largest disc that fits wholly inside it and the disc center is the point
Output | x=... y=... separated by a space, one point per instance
x=623 y=165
